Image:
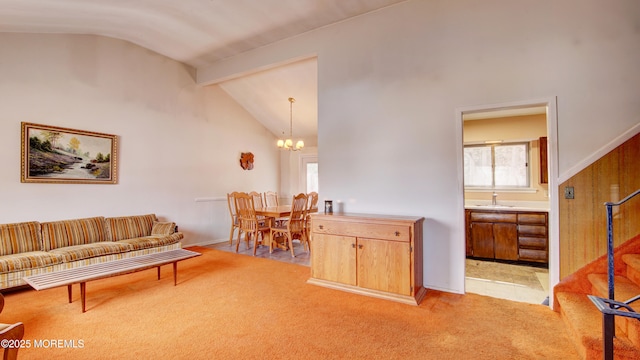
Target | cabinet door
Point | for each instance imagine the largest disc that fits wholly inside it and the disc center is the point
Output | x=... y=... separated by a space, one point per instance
x=544 y=172
x=482 y=239
x=505 y=241
x=384 y=265
x=467 y=233
x=334 y=258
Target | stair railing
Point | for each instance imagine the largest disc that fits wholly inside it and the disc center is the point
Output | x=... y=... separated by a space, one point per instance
x=609 y=307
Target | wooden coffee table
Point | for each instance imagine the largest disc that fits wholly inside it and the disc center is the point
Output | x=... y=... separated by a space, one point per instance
x=83 y=274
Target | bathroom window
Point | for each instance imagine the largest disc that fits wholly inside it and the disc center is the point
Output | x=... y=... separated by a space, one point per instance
x=502 y=165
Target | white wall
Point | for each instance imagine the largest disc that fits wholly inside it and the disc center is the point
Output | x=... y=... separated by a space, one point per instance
x=390 y=83
x=178 y=141
x=290 y=172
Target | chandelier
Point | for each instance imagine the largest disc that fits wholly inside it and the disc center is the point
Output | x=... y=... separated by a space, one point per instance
x=287 y=144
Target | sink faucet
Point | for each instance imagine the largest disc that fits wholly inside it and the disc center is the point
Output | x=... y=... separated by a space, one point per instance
x=493 y=198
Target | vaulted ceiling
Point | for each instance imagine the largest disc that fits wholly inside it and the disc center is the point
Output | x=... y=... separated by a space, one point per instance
x=200 y=32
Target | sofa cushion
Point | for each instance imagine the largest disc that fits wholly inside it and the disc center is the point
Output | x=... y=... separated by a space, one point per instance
x=28 y=260
x=129 y=227
x=163 y=228
x=79 y=252
x=20 y=237
x=152 y=241
x=64 y=233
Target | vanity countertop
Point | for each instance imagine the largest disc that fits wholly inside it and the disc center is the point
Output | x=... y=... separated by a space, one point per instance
x=507 y=205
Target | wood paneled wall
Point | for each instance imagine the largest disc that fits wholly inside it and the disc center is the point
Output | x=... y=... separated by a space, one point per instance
x=583 y=220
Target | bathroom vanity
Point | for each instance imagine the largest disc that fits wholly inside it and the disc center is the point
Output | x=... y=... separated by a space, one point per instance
x=507 y=233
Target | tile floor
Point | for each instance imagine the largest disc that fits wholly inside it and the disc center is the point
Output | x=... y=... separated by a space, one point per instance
x=522 y=283
x=513 y=282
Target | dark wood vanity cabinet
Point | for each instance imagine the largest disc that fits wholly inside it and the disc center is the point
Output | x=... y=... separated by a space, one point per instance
x=507 y=235
x=533 y=237
x=493 y=235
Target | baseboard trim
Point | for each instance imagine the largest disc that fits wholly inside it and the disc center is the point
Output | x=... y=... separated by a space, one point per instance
x=207 y=242
x=405 y=299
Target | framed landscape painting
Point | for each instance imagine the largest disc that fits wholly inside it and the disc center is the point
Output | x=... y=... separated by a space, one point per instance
x=53 y=154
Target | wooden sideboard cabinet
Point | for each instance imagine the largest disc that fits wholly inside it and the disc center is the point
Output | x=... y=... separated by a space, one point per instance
x=507 y=235
x=373 y=255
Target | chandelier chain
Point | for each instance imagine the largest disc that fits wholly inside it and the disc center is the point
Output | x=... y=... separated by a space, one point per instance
x=288 y=144
x=291 y=101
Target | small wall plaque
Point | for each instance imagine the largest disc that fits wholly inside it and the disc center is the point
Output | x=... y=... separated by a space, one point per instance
x=246 y=161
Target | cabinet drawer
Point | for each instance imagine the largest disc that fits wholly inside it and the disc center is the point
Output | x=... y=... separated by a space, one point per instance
x=493 y=217
x=532 y=242
x=372 y=231
x=539 y=230
x=533 y=255
x=532 y=219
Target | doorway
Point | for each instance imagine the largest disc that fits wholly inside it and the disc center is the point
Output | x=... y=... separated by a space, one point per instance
x=309 y=173
x=502 y=172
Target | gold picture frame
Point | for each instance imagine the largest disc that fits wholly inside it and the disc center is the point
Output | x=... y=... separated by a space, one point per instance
x=52 y=154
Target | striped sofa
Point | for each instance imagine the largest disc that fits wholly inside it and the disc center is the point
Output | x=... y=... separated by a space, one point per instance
x=31 y=248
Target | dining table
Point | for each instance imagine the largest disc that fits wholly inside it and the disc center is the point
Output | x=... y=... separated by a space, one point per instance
x=274 y=211
x=280 y=211
x=277 y=212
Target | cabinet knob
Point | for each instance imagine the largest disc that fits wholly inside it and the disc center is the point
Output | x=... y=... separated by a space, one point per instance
x=353 y=246
x=321 y=227
x=360 y=246
x=397 y=233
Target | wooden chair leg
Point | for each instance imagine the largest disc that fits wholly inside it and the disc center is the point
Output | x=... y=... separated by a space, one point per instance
x=305 y=241
x=290 y=239
x=271 y=242
x=239 y=238
x=247 y=239
x=255 y=243
x=231 y=234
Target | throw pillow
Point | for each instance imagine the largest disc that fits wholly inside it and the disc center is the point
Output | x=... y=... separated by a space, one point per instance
x=163 y=228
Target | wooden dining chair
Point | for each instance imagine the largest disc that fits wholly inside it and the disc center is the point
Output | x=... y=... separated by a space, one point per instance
x=258 y=202
x=231 y=202
x=312 y=203
x=312 y=206
x=271 y=198
x=249 y=222
x=12 y=333
x=257 y=199
x=294 y=227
